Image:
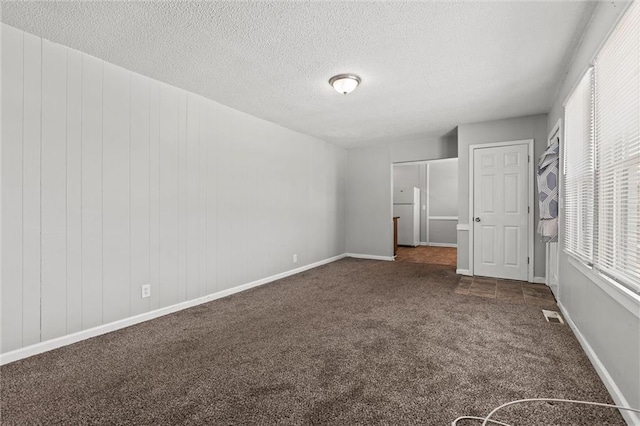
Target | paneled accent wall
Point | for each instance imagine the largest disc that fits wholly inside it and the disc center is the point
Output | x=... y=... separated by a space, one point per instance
x=112 y=180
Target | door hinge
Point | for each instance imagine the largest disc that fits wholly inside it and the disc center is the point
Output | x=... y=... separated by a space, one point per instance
x=528 y=209
x=528 y=158
x=527 y=260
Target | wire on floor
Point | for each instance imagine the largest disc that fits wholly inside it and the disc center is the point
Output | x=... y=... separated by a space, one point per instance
x=486 y=420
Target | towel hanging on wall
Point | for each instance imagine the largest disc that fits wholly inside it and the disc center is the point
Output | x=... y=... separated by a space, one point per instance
x=548 y=192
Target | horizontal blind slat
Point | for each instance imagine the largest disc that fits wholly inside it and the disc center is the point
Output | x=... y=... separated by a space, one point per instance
x=617 y=152
x=579 y=171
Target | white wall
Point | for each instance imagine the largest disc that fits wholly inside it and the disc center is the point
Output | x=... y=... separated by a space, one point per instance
x=442 y=184
x=606 y=319
x=111 y=180
x=529 y=127
x=369 y=192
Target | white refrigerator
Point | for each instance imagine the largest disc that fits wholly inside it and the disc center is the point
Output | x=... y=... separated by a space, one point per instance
x=406 y=206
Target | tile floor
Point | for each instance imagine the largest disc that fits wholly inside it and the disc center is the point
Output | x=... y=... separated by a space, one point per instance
x=428 y=254
x=511 y=291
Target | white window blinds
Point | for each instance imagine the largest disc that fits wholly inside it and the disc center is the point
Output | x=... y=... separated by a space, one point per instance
x=579 y=171
x=617 y=145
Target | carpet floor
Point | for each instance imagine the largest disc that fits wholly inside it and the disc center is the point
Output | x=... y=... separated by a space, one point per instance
x=348 y=343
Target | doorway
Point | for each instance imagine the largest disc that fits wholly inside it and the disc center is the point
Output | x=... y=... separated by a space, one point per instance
x=501 y=200
x=436 y=180
x=431 y=255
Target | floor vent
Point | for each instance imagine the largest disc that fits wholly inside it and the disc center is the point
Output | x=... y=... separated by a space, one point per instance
x=552 y=316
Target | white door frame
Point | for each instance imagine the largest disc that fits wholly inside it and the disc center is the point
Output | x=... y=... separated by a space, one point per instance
x=530 y=236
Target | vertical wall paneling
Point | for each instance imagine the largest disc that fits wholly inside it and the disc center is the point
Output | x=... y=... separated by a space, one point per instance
x=92 y=72
x=12 y=113
x=316 y=172
x=139 y=191
x=212 y=203
x=54 y=190
x=168 y=182
x=154 y=194
x=111 y=180
x=31 y=190
x=74 y=191
x=192 y=196
x=182 y=196
x=116 y=236
x=259 y=191
x=202 y=197
x=226 y=214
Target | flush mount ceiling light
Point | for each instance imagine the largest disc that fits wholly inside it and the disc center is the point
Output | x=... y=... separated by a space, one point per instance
x=344 y=83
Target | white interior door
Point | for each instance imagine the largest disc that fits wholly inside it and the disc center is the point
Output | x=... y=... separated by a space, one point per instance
x=500 y=212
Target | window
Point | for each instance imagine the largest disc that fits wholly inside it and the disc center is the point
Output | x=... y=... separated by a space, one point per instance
x=602 y=158
x=579 y=171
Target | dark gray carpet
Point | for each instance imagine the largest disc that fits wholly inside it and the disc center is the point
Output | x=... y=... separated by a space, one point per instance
x=353 y=342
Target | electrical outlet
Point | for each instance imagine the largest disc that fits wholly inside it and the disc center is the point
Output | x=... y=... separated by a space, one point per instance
x=295 y=258
x=146 y=291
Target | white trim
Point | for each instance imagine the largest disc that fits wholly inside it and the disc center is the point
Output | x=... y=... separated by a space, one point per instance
x=462 y=227
x=555 y=130
x=530 y=179
x=391 y=224
x=443 y=245
x=427 y=184
x=425 y=244
x=443 y=217
x=577 y=83
x=439 y=160
x=539 y=280
x=463 y=272
x=630 y=417
x=618 y=292
x=424 y=200
x=369 y=256
x=69 y=339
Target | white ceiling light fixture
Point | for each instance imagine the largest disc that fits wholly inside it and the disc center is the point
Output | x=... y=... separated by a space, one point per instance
x=344 y=83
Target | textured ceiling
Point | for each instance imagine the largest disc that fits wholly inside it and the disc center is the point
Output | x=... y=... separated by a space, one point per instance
x=425 y=66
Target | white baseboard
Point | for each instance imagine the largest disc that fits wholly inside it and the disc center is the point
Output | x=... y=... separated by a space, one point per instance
x=442 y=245
x=422 y=243
x=630 y=417
x=69 y=339
x=369 y=256
x=537 y=280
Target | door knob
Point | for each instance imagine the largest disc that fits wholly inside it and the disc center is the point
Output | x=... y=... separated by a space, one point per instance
x=477 y=219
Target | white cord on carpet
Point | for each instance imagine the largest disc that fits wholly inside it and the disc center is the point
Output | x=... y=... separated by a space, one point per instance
x=487 y=419
x=455 y=422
